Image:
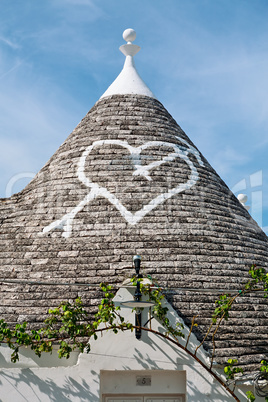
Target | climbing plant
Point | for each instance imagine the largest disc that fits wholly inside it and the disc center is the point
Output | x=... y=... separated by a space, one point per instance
x=71 y=327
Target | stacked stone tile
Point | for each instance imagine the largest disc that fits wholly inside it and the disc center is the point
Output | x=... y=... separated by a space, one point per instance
x=197 y=236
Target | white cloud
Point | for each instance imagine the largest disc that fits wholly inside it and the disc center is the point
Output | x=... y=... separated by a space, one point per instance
x=8 y=42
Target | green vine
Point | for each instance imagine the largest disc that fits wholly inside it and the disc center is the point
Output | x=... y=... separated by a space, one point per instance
x=250 y=396
x=231 y=370
x=155 y=294
x=71 y=327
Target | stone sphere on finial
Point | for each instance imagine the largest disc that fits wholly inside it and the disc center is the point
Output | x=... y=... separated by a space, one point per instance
x=129 y=35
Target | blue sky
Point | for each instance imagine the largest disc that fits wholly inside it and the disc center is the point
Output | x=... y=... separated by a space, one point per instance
x=205 y=60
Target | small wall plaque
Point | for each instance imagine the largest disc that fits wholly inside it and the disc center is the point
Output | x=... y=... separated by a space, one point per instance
x=144 y=380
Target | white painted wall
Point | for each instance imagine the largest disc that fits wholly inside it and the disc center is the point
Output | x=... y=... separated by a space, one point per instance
x=111 y=368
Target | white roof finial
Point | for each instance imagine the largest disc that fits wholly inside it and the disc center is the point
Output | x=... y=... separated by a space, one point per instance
x=129 y=35
x=129 y=81
x=129 y=49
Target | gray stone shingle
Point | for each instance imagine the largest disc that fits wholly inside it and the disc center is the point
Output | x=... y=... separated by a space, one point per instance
x=200 y=238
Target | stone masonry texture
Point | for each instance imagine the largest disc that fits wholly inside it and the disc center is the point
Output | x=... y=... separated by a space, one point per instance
x=200 y=238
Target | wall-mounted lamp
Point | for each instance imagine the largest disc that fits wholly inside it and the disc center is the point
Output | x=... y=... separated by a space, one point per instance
x=137 y=303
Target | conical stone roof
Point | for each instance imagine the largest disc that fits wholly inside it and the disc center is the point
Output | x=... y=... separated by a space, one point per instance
x=128 y=180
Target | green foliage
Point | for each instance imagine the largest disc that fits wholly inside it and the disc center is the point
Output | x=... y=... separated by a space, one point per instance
x=259 y=280
x=223 y=305
x=154 y=293
x=230 y=371
x=264 y=366
x=71 y=327
x=250 y=396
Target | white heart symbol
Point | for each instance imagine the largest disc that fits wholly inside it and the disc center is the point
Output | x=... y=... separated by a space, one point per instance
x=65 y=223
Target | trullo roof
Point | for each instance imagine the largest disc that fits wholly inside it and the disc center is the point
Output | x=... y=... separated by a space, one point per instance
x=128 y=180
